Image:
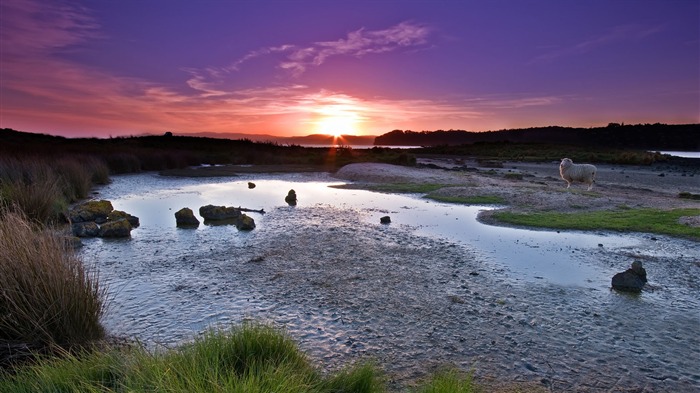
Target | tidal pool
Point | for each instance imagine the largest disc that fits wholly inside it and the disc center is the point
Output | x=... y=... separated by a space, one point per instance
x=435 y=285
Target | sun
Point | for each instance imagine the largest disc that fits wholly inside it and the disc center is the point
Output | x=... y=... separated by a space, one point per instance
x=336 y=126
x=337 y=120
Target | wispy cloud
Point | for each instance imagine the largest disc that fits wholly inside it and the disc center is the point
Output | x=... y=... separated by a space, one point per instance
x=617 y=34
x=29 y=27
x=357 y=43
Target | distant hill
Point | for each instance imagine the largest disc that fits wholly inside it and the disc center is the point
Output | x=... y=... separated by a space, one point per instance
x=314 y=139
x=680 y=137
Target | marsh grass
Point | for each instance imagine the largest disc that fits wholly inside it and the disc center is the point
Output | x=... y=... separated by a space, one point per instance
x=470 y=200
x=449 y=381
x=249 y=358
x=657 y=221
x=48 y=299
x=405 y=188
x=42 y=188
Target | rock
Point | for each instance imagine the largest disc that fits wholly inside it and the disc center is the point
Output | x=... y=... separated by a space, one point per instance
x=211 y=212
x=91 y=211
x=118 y=228
x=118 y=214
x=385 y=220
x=291 y=198
x=85 y=229
x=185 y=218
x=251 y=185
x=245 y=223
x=631 y=280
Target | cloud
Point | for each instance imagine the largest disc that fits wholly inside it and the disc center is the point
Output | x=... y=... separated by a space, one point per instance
x=30 y=27
x=616 y=34
x=358 y=43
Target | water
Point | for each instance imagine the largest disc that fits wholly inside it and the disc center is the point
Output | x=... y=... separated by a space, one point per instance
x=346 y=286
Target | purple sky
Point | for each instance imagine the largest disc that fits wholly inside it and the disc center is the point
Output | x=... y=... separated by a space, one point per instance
x=101 y=68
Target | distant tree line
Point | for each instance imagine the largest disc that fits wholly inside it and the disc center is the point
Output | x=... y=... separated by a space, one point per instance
x=680 y=137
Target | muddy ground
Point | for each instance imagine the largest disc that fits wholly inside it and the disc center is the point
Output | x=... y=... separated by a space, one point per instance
x=348 y=291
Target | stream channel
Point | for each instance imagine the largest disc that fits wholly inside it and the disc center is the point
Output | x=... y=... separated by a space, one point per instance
x=433 y=287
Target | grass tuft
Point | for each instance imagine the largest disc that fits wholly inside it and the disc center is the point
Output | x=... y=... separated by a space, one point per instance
x=470 y=200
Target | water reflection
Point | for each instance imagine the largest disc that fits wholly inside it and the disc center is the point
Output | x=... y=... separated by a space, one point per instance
x=556 y=257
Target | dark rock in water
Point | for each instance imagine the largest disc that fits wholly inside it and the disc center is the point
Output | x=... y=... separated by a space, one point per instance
x=385 y=220
x=118 y=214
x=631 y=280
x=211 y=212
x=251 y=185
x=223 y=215
x=291 y=198
x=85 y=229
x=245 y=223
x=185 y=218
x=91 y=211
x=118 y=228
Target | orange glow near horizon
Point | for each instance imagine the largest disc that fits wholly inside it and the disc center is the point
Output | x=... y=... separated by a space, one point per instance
x=339 y=117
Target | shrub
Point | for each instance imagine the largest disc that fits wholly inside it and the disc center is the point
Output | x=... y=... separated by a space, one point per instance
x=31 y=187
x=76 y=179
x=48 y=299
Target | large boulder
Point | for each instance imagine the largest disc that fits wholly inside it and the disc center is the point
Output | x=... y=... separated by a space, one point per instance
x=211 y=212
x=85 y=229
x=118 y=228
x=118 y=214
x=96 y=211
x=245 y=223
x=185 y=218
x=631 y=280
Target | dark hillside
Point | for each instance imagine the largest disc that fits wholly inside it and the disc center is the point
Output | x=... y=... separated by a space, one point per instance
x=682 y=137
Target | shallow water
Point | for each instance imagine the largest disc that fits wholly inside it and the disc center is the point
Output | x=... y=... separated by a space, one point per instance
x=435 y=285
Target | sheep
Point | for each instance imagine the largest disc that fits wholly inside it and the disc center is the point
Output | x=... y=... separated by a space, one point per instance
x=570 y=172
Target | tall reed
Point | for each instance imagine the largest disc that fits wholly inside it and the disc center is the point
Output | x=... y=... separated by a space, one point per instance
x=31 y=187
x=47 y=296
x=43 y=188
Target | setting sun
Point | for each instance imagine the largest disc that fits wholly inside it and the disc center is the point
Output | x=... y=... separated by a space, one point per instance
x=338 y=118
x=336 y=126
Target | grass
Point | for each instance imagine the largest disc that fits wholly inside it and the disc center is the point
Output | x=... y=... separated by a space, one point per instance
x=404 y=188
x=664 y=222
x=42 y=188
x=448 y=381
x=470 y=200
x=247 y=358
x=48 y=299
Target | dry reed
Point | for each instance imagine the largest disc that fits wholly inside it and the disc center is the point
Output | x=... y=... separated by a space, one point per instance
x=48 y=299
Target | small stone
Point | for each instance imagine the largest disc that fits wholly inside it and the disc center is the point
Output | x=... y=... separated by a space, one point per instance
x=251 y=185
x=385 y=220
x=291 y=198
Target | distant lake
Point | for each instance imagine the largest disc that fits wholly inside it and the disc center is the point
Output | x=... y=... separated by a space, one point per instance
x=363 y=146
x=686 y=154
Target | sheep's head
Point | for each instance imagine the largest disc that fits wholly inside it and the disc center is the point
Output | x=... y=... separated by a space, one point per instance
x=565 y=163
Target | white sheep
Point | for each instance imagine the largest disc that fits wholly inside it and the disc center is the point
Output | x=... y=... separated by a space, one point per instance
x=584 y=173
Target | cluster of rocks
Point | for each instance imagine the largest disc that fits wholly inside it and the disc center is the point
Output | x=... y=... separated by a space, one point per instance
x=185 y=218
x=99 y=219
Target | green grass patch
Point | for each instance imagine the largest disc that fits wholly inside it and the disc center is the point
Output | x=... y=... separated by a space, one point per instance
x=470 y=200
x=404 y=188
x=657 y=221
x=249 y=358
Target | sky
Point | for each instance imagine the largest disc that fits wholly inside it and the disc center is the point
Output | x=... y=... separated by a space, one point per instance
x=365 y=67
